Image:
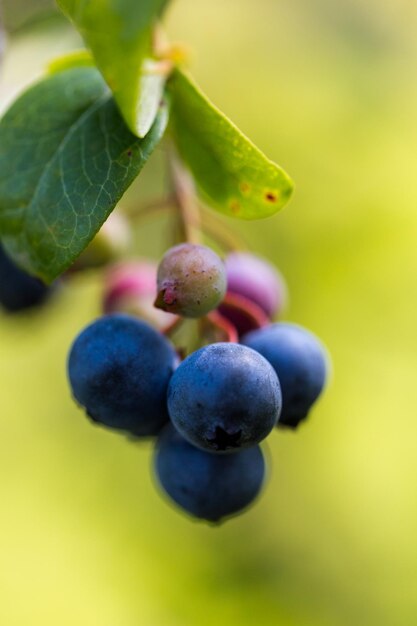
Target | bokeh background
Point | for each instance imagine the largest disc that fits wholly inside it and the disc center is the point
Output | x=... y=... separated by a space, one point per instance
x=329 y=90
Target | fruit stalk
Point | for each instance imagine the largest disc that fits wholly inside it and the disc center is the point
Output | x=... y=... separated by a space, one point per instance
x=185 y=200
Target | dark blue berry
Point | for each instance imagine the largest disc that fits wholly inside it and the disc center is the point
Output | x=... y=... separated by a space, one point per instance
x=19 y=290
x=209 y=486
x=119 y=369
x=300 y=361
x=224 y=397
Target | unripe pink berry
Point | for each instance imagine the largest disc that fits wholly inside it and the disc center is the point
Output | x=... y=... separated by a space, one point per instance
x=191 y=280
x=130 y=287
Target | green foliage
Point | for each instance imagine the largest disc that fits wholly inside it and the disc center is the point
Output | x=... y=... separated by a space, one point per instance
x=75 y=58
x=66 y=158
x=69 y=146
x=119 y=34
x=231 y=173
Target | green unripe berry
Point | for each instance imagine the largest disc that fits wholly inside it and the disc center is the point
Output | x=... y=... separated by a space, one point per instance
x=191 y=280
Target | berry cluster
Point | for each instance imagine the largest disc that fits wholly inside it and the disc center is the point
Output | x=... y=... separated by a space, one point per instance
x=210 y=410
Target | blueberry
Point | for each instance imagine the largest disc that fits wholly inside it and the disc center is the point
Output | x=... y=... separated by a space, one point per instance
x=119 y=369
x=209 y=486
x=191 y=280
x=300 y=361
x=18 y=290
x=224 y=397
x=257 y=280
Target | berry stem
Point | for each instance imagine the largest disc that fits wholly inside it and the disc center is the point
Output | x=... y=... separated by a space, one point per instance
x=212 y=227
x=214 y=327
x=216 y=230
x=172 y=327
x=152 y=208
x=185 y=200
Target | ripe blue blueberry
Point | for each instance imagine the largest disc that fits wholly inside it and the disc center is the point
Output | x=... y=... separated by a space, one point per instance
x=191 y=280
x=19 y=290
x=119 y=369
x=300 y=361
x=208 y=486
x=224 y=397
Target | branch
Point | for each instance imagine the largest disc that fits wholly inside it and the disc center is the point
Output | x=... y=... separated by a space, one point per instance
x=185 y=197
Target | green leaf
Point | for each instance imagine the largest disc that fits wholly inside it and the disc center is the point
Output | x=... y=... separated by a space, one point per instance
x=232 y=175
x=66 y=158
x=75 y=58
x=119 y=34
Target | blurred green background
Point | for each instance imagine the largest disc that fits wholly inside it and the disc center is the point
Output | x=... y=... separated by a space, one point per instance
x=329 y=90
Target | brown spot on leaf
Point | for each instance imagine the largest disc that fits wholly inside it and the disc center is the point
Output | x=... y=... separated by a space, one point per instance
x=244 y=187
x=234 y=206
x=271 y=197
